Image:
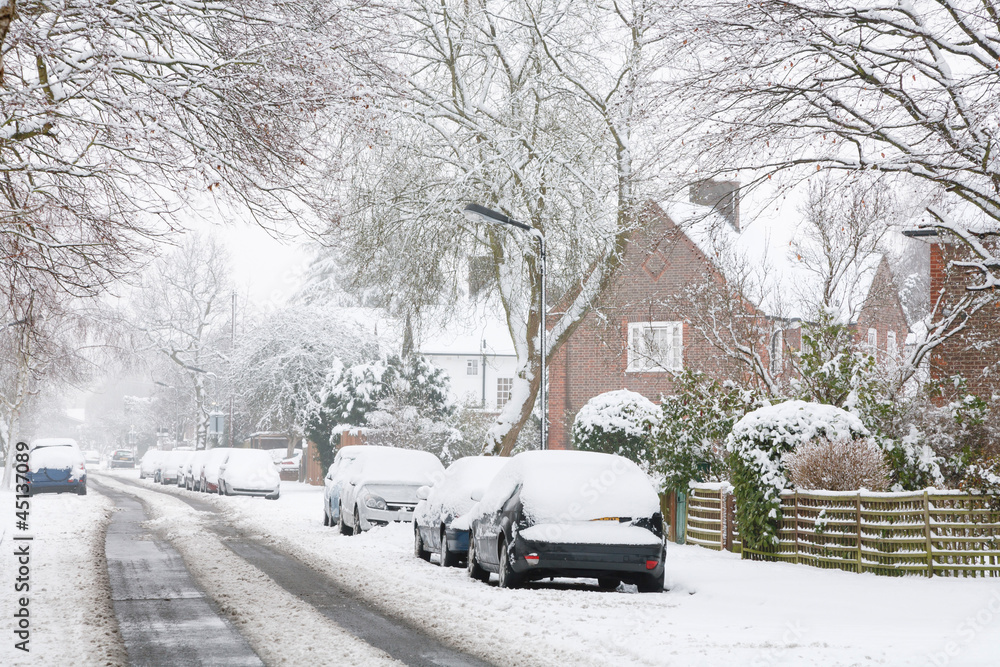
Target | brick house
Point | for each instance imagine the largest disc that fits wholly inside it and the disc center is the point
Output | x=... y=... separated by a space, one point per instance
x=974 y=353
x=641 y=331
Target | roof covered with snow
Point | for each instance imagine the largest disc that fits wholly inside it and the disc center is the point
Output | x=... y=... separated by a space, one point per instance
x=764 y=249
x=467 y=328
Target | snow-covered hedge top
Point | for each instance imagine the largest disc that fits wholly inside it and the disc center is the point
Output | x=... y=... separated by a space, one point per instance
x=794 y=422
x=451 y=496
x=620 y=410
x=565 y=486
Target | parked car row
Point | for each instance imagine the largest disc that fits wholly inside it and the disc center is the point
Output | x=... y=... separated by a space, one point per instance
x=224 y=470
x=536 y=515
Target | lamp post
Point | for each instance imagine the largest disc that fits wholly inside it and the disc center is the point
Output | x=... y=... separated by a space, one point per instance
x=477 y=213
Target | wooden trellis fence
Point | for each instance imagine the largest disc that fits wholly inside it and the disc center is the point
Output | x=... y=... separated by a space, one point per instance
x=927 y=533
x=711 y=517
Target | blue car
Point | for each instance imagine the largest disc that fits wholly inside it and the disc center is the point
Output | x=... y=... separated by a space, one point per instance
x=56 y=465
x=448 y=499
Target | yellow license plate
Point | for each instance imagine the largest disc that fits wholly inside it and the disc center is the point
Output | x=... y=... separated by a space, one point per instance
x=608 y=518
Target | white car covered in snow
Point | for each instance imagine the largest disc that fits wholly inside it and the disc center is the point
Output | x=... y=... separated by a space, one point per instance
x=249 y=472
x=569 y=514
x=210 y=469
x=150 y=463
x=449 y=498
x=382 y=486
x=335 y=480
x=168 y=470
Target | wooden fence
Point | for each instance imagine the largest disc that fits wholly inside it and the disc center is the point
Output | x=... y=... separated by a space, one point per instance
x=927 y=533
x=711 y=517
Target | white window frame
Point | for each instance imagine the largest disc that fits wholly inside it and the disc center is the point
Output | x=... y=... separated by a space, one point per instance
x=472 y=366
x=873 y=338
x=777 y=352
x=503 y=395
x=642 y=360
x=891 y=348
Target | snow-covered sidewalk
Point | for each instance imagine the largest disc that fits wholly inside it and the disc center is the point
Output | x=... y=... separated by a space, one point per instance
x=71 y=617
x=718 y=610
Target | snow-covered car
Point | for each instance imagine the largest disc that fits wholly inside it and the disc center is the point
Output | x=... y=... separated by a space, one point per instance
x=449 y=498
x=336 y=478
x=210 y=470
x=168 y=471
x=56 y=465
x=92 y=457
x=150 y=463
x=193 y=470
x=382 y=487
x=183 y=467
x=249 y=472
x=569 y=514
x=123 y=458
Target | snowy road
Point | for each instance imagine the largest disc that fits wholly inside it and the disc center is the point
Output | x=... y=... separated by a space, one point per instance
x=717 y=610
x=167 y=639
x=164 y=617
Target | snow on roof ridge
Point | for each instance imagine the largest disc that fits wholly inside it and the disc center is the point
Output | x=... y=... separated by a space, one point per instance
x=758 y=244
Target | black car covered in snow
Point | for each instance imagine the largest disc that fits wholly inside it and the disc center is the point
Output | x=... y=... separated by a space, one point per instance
x=569 y=514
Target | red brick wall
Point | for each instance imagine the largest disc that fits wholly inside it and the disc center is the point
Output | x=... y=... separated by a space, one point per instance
x=974 y=353
x=883 y=312
x=660 y=262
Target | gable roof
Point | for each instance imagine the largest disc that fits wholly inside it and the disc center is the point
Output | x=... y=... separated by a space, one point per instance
x=763 y=251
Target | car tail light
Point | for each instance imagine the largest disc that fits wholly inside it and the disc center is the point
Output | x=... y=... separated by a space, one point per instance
x=651 y=564
x=532 y=559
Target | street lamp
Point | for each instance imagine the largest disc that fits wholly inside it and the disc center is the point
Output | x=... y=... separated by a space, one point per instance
x=477 y=213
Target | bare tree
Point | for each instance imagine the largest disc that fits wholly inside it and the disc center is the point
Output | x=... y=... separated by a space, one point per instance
x=523 y=107
x=906 y=89
x=179 y=305
x=115 y=114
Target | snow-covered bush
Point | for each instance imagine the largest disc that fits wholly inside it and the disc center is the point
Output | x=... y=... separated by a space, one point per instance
x=689 y=441
x=913 y=463
x=839 y=464
x=617 y=422
x=756 y=450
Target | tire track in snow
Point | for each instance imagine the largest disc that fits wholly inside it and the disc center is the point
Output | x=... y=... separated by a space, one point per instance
x=351 y=615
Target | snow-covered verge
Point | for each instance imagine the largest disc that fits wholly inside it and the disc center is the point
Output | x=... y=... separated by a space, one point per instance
x=282 y=629
x=718 y=609
x=72 y=620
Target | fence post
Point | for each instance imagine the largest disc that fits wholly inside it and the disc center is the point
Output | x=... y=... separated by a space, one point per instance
x=858 y=506
x=927 y=534
x=729 y=509
x=796 y=524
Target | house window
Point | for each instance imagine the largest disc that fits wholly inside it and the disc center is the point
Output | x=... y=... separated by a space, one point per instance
x=655 y=346
x=472 y=367
x=777 y=352
x=504 y=387
x=873 y=338
x=890 y=343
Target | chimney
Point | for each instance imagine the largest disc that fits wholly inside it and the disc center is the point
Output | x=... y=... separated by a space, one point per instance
x=722 y=196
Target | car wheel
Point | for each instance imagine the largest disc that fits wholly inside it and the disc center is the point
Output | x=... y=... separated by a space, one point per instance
x=344 y=528
x=651 y=583
x=273 y=496
x=82 y=489
x=418 y=545
x=508 y=578
x=476 y=570
x=608 y=583
x=326 y=516
x=448 y=559
x=357 y=521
